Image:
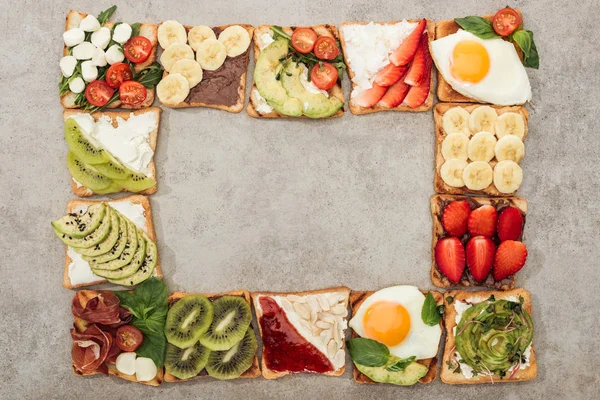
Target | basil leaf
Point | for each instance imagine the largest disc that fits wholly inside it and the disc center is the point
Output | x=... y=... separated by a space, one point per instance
x=480 y=27
x=524 y=39
x=153 y=346
x=368 y=352
x=429 y=312
x=401 y=364
x=105 y=15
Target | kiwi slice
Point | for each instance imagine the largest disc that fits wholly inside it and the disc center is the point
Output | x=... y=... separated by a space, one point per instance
x=125 y=257
x=136 y=182
x=109 y=242
x=117 y=249
x=85 y=174
x=114 y=187
x=129 y=269
x=97 y=236
x=230 y=364
x=186 y=363
x=78 y=225
x=188 y=319
x=113 y=169
x=231 y=320
x=81 y=146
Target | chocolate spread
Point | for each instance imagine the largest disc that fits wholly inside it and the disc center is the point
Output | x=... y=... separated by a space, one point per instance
x=222 y=86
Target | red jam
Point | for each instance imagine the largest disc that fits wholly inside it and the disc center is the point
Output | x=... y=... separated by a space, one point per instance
x=284 y=349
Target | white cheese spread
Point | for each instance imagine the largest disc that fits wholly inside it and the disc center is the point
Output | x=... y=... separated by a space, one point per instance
x=264 y=40
x=261 y=103
x=310 y=86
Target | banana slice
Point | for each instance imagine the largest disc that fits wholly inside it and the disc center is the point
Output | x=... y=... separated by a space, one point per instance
x=478 y=175
x=190 y=69
x=236 y=40
x=481 y=147
x=173 y=89
x=170 y=32
x=456 y=120
x=483 y=118
x=510 y=123
x=211 y=54
x=510 y=147
x=199 y=34
x=455 y=146
x=174 y=53
x=452 y=172
x=508 y=176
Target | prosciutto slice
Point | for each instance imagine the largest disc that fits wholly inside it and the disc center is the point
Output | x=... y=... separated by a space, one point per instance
x=91 y=349
x=102 y=309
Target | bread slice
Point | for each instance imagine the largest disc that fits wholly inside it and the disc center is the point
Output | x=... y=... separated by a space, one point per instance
x=446 y=374
x=321 y=30
x=112 y=369
x=251 y=372
x=239 y=105
x=438 y=203
x=356 y=299
x=83 y=191
x=438 y=183
x=444 y=90
x=134 y=199
x=270 y=374
x=358 y=110
x=149 y=31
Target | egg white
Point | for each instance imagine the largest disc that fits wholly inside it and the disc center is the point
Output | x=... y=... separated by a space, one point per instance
x=422 y=340
x=506 y=83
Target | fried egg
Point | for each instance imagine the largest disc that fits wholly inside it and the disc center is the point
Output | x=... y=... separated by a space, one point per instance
x=392 y=316
x=486 y=70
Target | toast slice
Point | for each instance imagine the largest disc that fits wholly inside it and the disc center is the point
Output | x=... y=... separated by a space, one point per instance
x=438 y=183
x=83 y=191
x=149 y=31
x=447 y=373
x=266 y=371
x=438 y=203
x=356 y=299
x=112 y=369
x=239 y=105
x=358 y=110
x=253 y=104
x=252 y=372
x=148 y=227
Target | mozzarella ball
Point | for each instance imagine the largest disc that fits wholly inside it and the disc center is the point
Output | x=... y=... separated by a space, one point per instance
x=122 y=33
x=67 y=65
x=73 y=37
x=99 y=58
x=84 y=51
x=101 y=38
x=77 y=85
x=114 y=54
x=89 y=71
x=90 y=24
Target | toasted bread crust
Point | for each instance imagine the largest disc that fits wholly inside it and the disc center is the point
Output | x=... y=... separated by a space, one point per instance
x=268 y=373
x=356 y=299
x=446 y=374
x=252 y=372
x=321 y=30
x=358 y=110
x=83 y=191
x=134 y=199
x=438 y=183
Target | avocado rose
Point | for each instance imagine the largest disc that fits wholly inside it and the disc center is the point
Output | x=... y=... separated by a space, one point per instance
x=492 y=336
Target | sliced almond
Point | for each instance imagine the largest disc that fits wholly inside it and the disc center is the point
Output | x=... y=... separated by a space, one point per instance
x=332 y=348
x=324 y=316
x=297 y=299
x=339 y=310
x=313 y=316
x=323 y=303
x=336 y=333
x=313 y=303
x=340 y=358
x=306 y=325
x=323 y=325
x=287 y=306
x=302 y=310
x=317 y=332
x=326 y=335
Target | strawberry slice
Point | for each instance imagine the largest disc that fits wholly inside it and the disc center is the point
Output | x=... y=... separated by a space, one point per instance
x=510 y=258
x=455 y=217
x=370 y=97
x=422 y=60
x=406 y=51
x=482 y=221
x=417 y=95
x=450 y=258
x=510 y=224
x=395 y=94
x=389 y=75
x=480 y=257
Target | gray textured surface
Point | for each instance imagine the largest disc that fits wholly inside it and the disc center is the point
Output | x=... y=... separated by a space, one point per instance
x=292 y=205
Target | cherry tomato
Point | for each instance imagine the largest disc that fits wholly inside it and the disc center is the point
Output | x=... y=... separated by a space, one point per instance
x=132 y=93
x=117 y=74
x=506 y=21
x=324 y=77
x=137 y=49
x=326 y=48
x=98 y=93
x=129 y=337
x=303 y=40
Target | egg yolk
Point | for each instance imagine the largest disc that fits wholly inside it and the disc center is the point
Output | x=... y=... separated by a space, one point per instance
x=387 y=323
x=470 y=61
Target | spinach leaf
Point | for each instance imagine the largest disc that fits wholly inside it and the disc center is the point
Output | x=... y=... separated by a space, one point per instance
x=478 y=26
x=524 y=39
x=368 y=352
x=401 y=364
x=105 y=15
x=430 y=313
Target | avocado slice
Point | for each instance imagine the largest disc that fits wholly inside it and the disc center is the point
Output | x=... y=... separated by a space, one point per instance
x=79 y=225
x=117 y=249
x=129 y=269
x=97 y=236
x=316 y=105
x=266 y=70
x=109 y=242
x=409 y=376
x=147 y=267
x=125 y=257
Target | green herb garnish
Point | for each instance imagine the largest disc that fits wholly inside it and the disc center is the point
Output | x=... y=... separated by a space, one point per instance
x=431 y=314
x=401 y=364
x=368 y=352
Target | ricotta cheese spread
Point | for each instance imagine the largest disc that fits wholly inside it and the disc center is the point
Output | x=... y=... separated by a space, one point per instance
x=261 y=103
x=264 y=40
x=309 y=86
x=368 y=48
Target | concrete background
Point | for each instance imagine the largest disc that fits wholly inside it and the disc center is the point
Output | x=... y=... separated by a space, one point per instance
x=295 y=205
